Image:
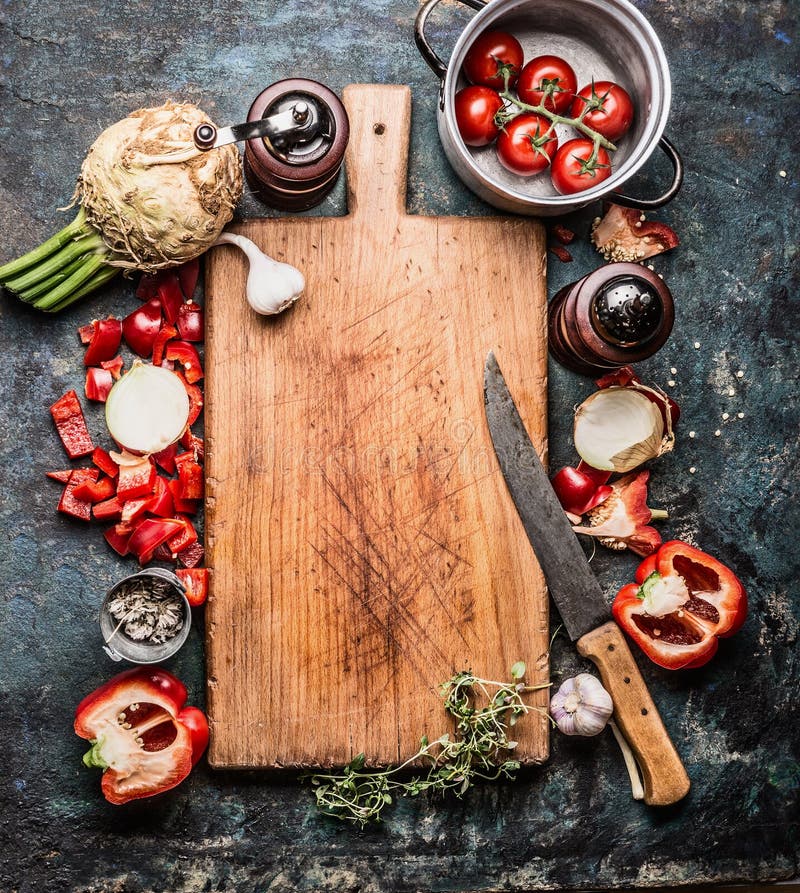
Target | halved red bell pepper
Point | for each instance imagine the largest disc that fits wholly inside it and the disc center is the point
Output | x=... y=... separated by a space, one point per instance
x=191 y=322
x=71 y=425
x=110 y=510
x=195 y=581
x=142 y=735
x=105 y=341
x=98 y=384
x=118 y=538
x=149 y=535
x=95 y=491
x=167 y=333
x=141 y=327
x=104 y=462
x=185 y=354
x=72 y=505
x=682 y=603
x=190 y=475
x=136 y=480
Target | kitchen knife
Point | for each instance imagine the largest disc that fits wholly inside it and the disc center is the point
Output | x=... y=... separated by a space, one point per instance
x=578 y=596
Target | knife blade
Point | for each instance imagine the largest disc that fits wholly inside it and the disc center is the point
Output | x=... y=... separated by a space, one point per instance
x=578 y=596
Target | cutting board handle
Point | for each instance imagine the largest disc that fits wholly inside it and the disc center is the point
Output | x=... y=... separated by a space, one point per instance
x=376 y=161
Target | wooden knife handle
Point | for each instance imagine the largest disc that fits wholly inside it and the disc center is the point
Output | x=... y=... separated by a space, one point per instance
x=665 y=779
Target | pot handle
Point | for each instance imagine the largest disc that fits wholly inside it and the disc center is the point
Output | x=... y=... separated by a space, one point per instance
x=426 y=50
x=650 y=204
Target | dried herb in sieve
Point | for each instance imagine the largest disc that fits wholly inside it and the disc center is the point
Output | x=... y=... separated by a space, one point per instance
x=148 y=611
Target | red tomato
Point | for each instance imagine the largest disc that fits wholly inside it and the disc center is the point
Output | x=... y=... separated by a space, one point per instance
x=571 y=170
x=548 y=72
x=475 y=110
x=611 y=109
x=527 y=145
x=486 y=57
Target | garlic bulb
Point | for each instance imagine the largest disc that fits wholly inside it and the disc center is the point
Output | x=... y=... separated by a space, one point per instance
x=581 y=706
x=272 y=286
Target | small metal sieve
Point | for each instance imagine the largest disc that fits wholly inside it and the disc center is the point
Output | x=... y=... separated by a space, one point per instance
x=119 y=646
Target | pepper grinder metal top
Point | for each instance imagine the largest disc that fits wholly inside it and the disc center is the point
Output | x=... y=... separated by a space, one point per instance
x=296 y=160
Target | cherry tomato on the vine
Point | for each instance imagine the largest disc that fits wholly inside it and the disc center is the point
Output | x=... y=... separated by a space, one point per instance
x=573 y=170
x=527 y=144
x=612 y=115
x=475 y=109
x=548 y=73
x=485 y=58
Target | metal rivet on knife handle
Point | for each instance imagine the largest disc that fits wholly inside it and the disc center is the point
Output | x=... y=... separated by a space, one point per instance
x=664 y=777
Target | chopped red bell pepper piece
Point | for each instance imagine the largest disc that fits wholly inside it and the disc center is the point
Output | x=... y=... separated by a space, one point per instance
x=166 y=458
x=105 y=341
x=85 y=333
x=98 y=384
x=186 y=354
x=69 y=503
x=71 y=425
x=682 y=603
x=118 y=538
x=104 y=462
x=149 y=535
x=190 y=475
x=110 y=510
x=192 y=556
x=162 y=553
x=141 y=327
x=143 y=736
x=134 y=509
x=96 y=491
x=188 y=274
x=191 y=322
x=184 y=538
x=170 y=295
x=136 y=480
x=184 y=506
x=60 y=476
x=114 y=367
x=161 y=503
x=166 y=334
x=194 y=444
x=195 y=400
x=195 y=581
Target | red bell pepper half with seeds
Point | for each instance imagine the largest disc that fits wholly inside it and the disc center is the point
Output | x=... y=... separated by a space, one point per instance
x=682 y=603
x=142 y=735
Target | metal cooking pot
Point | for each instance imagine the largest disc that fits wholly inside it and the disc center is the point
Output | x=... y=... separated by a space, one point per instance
x=604 y=39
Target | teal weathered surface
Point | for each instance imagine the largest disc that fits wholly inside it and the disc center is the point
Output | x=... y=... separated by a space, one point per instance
x=70 y=69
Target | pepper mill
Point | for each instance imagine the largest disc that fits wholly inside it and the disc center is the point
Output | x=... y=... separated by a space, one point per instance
x=619 y=314
x=296 y=164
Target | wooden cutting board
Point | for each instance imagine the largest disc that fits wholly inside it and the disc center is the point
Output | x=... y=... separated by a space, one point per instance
x=362 y=543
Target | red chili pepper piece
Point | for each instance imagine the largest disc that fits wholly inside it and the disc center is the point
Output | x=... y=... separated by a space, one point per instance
x=141 y=327
x=167 y=333
x=185 y=354
x=114 y=367
x=154 y=747
x=98 y=384
x=136 y=480
x=191 y=322
x=118 y=537
x=149 y=535
x=195 y=579
x=192 y=556
x=188 y=275
x=71 y=425
x=190 y=475
x=170 y=295
x=184 y=506
x=161 y=503
x=683 y=602
x=95 y=491
x=69 y=503
x=110 y=510
x=184 y=538
x=104 y=462
x=60 y=476
x=85 y=333
x=105 y=341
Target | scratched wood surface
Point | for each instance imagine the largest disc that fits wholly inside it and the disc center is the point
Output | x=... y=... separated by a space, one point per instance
x=362 y=544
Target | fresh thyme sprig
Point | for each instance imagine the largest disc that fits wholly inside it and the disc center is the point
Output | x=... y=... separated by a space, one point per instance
x=479 y=749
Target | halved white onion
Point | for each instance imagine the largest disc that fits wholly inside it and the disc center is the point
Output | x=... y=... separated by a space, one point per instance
x=618 y=429
x=147 y=409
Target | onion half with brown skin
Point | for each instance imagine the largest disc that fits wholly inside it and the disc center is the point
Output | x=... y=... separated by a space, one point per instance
x=149 y=199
